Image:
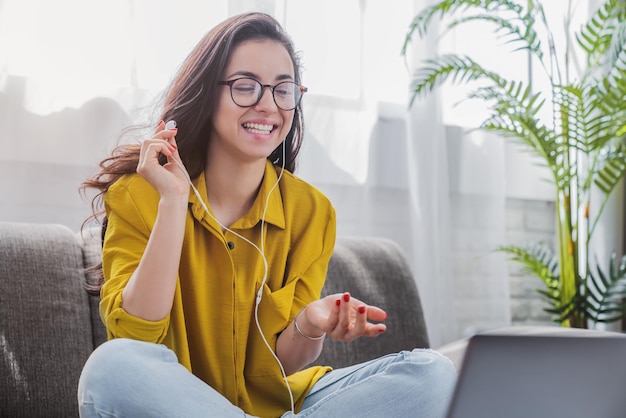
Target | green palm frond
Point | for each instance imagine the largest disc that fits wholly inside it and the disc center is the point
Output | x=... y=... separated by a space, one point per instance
x=595 y=37
x=583 y=123
x=590 y=120
x=537 y=260
x=514 y=115
x=510 y=96
x=537 y=138
x=616 y=73
x=599 y=113
x=606 y=293
x=420 y=22
x=611 y=171
x=579 y=127
x=619 y=34
x=452 y=67
x=572 y=116
x=608 y=89
x=514 y=31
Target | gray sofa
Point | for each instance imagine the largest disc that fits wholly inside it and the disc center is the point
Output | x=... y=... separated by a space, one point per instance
x=49 y=324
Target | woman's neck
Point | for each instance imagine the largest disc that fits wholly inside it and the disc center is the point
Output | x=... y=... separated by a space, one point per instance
x=232 y=188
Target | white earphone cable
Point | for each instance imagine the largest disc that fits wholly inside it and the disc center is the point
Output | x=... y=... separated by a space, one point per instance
x=261 y=251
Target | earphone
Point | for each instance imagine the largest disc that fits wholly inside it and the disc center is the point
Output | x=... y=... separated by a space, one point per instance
x=172 y=124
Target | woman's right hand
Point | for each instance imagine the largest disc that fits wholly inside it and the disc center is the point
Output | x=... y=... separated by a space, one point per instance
x=149 y=293
x=169 y=179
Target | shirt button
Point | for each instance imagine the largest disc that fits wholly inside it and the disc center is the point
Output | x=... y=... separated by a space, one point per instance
x=231 y=245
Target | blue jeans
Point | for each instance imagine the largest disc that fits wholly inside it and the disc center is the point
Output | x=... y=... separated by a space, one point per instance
x=128 y=378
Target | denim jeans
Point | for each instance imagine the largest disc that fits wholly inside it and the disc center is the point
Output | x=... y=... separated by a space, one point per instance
x=128 y=378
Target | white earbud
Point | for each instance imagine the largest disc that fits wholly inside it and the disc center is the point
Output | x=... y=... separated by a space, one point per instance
x=170 y=124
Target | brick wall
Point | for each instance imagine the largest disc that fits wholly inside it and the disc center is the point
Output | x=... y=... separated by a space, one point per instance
x=528 y=221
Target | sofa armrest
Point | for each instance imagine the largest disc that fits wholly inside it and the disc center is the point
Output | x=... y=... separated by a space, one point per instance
x=91 y=242
x=45 y=331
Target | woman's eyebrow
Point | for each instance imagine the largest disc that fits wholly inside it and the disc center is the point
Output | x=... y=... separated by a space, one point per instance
x=280 y=77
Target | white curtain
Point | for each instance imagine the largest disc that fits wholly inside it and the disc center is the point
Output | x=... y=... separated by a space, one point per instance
x=73 y=73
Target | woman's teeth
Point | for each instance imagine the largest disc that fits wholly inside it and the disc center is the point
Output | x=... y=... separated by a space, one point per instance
x=258 y=128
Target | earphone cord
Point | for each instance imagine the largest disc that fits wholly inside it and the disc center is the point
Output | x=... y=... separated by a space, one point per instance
x=261 y=252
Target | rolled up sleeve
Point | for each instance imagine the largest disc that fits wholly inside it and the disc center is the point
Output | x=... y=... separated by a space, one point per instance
x=128 y=230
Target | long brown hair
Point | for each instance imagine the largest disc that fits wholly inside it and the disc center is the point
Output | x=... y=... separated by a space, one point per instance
x=191 y=101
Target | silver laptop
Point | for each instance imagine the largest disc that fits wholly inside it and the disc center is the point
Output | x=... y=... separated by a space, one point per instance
x=510 y=376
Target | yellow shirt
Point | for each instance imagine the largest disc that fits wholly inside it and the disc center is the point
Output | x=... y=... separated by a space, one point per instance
x=211 y=326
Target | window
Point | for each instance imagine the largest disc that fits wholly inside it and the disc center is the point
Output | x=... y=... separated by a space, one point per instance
x=351 y=48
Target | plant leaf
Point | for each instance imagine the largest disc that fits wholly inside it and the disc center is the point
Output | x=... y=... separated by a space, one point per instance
x=436 y=71
x=612 y=170
x=444 y=8
x=609 y=291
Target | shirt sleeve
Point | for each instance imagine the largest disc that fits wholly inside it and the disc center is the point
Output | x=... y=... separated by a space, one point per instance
x=128 y=230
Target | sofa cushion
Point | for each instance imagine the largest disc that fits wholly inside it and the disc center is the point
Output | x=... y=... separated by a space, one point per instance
x=45 y=333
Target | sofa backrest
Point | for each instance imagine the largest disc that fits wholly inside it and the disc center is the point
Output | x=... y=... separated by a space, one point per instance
x=375 y=271
x=372 y=269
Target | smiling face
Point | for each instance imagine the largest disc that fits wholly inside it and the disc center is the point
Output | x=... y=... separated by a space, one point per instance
x=250 y=134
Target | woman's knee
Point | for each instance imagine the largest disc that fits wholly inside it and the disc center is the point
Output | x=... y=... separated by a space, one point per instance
x=433 y=367
x=118 y=376
x=438 y=363
x=120 y=351
x=119 y=358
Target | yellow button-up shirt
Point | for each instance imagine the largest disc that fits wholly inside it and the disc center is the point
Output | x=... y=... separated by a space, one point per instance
x=211 y=326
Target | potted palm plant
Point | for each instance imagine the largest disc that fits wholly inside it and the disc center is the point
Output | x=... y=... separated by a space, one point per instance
x=583 y=145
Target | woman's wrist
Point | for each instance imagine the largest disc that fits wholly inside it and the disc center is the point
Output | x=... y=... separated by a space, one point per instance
x=174 y=203
x=306 y=333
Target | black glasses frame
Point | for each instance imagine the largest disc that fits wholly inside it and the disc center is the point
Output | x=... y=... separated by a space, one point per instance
x=230 y=83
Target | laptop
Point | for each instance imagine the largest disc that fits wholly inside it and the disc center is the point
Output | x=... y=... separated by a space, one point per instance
x=511 y=376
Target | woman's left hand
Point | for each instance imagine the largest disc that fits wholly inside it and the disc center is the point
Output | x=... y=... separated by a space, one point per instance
x=343 y=317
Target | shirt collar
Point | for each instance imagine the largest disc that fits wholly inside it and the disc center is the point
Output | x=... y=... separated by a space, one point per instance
x=274 y=214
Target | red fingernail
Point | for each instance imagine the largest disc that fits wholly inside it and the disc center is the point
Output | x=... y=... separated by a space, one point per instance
x=361 y=309
x=346 y=297
x=338 y=302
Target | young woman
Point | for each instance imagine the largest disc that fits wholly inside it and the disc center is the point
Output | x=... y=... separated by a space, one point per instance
x=215 y=254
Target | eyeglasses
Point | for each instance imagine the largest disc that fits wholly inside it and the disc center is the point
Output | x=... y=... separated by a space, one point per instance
x=247 y=92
